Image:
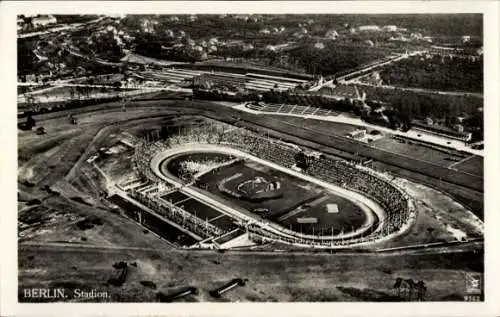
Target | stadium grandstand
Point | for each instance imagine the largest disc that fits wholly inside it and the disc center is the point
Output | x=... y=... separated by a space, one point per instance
x=152 y=192
x=357 y=178
x=289 y=109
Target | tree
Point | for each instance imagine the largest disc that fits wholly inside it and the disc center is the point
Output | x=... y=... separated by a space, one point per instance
x=71 y=119
x=164 y=132
x=301 y=160
x=421 y=290
x=78 y=90
x=397 y=285
x=40 y=131
x=411 y=285
x=30 y=122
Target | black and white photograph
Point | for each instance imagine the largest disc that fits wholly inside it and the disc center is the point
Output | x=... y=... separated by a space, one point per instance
x=270 y=157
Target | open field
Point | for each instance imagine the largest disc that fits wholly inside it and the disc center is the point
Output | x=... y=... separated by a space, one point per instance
x=428 y=154
x=300 y=200
x=271 y=277
x=348 y=217
x=340 y=129
x=293 y=194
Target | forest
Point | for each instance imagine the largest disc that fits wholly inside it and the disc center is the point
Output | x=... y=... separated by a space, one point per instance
x=447 y=73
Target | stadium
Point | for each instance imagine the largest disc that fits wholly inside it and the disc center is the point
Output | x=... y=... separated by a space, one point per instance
x=216 y=181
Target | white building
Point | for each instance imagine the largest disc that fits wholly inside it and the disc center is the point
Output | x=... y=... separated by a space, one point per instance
x=357 y=134
x=399 y=38
x=427 y=39
x=369 y=28
x=271 y=48
x=319 y=45
x=390 y=28
x=416 y=36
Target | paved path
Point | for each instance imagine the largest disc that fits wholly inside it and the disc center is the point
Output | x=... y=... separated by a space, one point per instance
x=431 y=248
x=369 y=67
